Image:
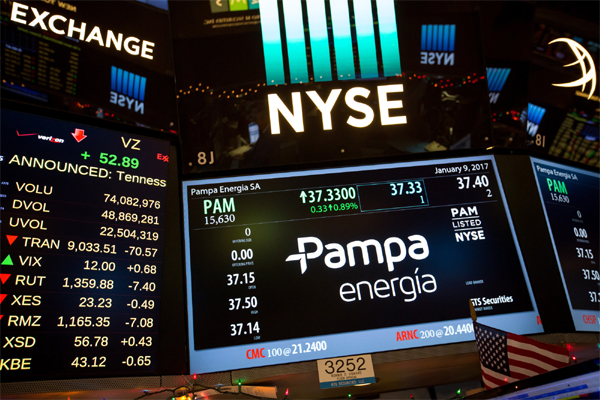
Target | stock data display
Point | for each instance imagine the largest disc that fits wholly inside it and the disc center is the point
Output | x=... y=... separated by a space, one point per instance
x=297 y=266
x=570 y=197
x=47 y=62
x=82 y=247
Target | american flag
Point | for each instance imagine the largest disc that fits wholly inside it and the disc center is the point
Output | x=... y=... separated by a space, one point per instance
x=506 y=357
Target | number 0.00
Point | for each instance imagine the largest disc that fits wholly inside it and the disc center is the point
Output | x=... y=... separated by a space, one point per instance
x=580 y=232
x=243 y=255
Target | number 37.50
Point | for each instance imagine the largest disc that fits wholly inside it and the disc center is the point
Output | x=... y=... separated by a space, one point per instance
x=340 y=366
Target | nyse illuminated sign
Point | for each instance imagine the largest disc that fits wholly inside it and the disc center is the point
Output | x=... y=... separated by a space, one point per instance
x=295 y=119
x=496 y=78
x=534 y=117
x=437 y=44
x=127 y=89
x=60 y=25
x=322 y=70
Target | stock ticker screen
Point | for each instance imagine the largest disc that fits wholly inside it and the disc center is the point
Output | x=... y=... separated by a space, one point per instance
x=305 y=265
x=82 y=249
x=570 y=200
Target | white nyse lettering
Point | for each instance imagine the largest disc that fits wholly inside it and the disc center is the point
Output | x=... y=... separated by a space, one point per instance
x=294 y=117
x=326 y=107
x=385 y=105
x=360 y=107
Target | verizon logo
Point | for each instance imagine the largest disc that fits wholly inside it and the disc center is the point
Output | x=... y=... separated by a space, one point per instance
x=51 y=139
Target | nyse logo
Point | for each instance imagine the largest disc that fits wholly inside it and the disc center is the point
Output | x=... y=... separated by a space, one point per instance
x=394 y=250
x=323 y=69
x=127 y=89
x=364 y=31
x=437 y=44
x=588 y=74
x=534 y=117
x=496 y=78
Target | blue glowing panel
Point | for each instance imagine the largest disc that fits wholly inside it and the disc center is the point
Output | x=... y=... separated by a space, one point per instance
x=271 y=34
x=319 y=40
x=342 y=39
x=294 y=35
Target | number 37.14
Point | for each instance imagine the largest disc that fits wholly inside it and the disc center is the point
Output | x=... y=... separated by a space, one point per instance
x=339 y=366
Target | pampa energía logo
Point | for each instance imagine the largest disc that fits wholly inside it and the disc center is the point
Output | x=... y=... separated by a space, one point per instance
x=127 y=89
x=496 y=78
x=324 y=68
x=534 y=117
x=418 y=249
x=393 y=251
x=437 y=44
